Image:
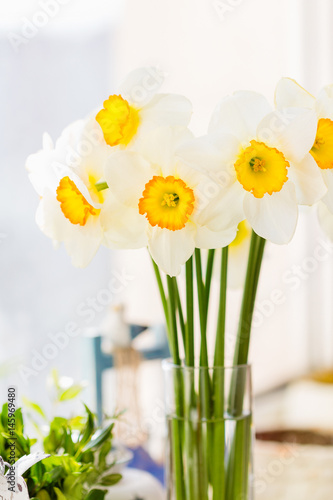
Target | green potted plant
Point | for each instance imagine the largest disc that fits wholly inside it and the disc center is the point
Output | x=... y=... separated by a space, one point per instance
x=77 y=468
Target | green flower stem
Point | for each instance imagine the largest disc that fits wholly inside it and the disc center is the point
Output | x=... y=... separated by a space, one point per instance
x=169 y=307
x=237 y=475
x=189 y=330
x=202 y=310
x=177 y=460
x=209 y=274
x=220 y=331
x=257 y=248
x=172 y=309
x=162 y=293
x=218 y=478
x=239 y=457
x=204 y=445
x=256 y=254
x=177 y=423
x=193 y=479
x=180 y=311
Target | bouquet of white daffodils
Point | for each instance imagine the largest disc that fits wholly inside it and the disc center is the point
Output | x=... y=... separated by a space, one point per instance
x=133 y=175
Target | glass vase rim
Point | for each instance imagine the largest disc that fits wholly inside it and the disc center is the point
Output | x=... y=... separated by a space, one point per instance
x=168 y=363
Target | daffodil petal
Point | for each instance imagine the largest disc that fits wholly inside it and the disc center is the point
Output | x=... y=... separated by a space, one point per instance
x=124 y=227
x=289 y=94
x=81 y=243
x=292 y=131
x=41 y=174
x=140 y=86
x=69 y=139
x=324 y=103
x=171 y=249
x=328 y=198
x=126 y=174
x=273 y=217
x=214 y=154
x=47 y=142
x=308 y=180
x=223 y=211
x=160 y=145
x=240 y=115
x=167 y=110
x=207 y=238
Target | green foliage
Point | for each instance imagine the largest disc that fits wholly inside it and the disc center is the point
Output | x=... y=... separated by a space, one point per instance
x=22 y=443
x=62 y=393
x=77 y=468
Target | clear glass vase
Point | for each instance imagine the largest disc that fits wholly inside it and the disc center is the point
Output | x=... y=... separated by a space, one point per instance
x=210 y=433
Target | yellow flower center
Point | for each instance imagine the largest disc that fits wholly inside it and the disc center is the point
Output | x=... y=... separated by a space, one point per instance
x=170 y=199
x=243 y=233
x=73 y=204
x=261 y=169
x=322 y=150
x=167 y=202
x=118 y=120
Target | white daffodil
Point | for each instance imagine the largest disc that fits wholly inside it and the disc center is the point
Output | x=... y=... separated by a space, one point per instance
x=290 y=94
x=263 y=158
x=138 y=108
x=178 y=207
x=66 y=176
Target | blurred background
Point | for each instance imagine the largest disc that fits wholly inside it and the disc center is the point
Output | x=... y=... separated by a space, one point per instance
x=59 y=60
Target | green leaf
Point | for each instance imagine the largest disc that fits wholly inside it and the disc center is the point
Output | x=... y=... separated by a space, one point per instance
x=43 y=495
x=22 y=445
x=110 y=479
x=68 y=463
x=102 y=436
x=88 y=431
x=96 y=495
x=77 y=423
x=70 y=393
x=19 y=427
x=89 y=428
x=105 y=450
x=69 y=446
x=53 y=475
x=37 y=472
x=55 y=439
x=60 y=495
x=33 y=406
x=87 y=457
x=74 y=485
x=4 y=416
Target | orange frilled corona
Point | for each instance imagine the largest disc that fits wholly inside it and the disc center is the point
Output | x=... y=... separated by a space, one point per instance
x=261 y=169
x=322 y=150
x=118 y=120
x=73 y=204
x=167 y=202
